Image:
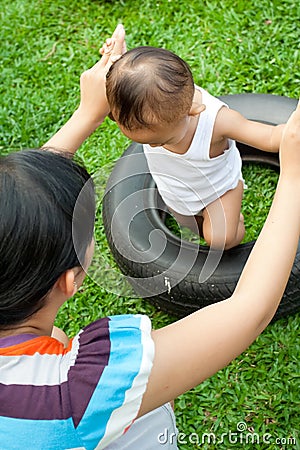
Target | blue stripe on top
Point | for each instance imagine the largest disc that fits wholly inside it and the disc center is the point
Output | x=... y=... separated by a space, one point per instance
x=16 y=434
x=124 y=365
x=108 y=361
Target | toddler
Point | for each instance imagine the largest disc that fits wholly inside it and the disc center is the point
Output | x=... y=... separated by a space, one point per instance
x=188 y=138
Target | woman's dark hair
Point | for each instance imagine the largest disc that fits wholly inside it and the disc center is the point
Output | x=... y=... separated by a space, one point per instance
x=40 y=236
x=147 y=86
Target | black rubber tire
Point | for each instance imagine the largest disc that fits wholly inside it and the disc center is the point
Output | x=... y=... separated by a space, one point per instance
x=159 y=265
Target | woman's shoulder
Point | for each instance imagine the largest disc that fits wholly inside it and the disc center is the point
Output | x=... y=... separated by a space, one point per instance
x=111 y=363
x=118 y=325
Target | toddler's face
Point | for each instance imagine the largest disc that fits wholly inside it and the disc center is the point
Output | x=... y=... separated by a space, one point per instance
x=162 y=135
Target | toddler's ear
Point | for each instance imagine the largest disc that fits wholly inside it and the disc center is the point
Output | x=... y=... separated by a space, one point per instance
x=196 y=108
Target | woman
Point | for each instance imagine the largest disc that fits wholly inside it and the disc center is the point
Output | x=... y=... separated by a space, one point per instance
x=86 y=392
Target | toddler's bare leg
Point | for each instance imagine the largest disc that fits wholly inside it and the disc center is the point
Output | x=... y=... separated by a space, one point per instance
x=194 y=223
x=223 y=223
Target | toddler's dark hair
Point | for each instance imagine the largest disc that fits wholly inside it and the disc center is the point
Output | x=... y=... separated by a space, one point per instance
x=46 y=225
x=147 y=86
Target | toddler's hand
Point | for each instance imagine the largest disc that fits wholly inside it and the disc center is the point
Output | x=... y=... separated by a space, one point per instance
x=108 y=46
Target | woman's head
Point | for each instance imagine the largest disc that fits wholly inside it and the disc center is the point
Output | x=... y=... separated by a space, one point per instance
x=149 y=86
x=47 y=213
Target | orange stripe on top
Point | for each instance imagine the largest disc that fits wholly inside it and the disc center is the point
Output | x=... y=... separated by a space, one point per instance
x=44 y=345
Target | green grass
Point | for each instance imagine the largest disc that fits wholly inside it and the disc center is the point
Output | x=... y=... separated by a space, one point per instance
x=232 y=47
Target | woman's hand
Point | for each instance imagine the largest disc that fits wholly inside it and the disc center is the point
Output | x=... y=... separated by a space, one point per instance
x=206 y=341
x=290 y=146
x=92 y=82
x=93 y=106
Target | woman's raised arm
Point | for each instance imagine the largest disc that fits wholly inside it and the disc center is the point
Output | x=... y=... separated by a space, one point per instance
x=196 y=347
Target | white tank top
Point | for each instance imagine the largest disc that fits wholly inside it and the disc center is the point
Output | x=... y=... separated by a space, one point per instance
x=189 y=182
